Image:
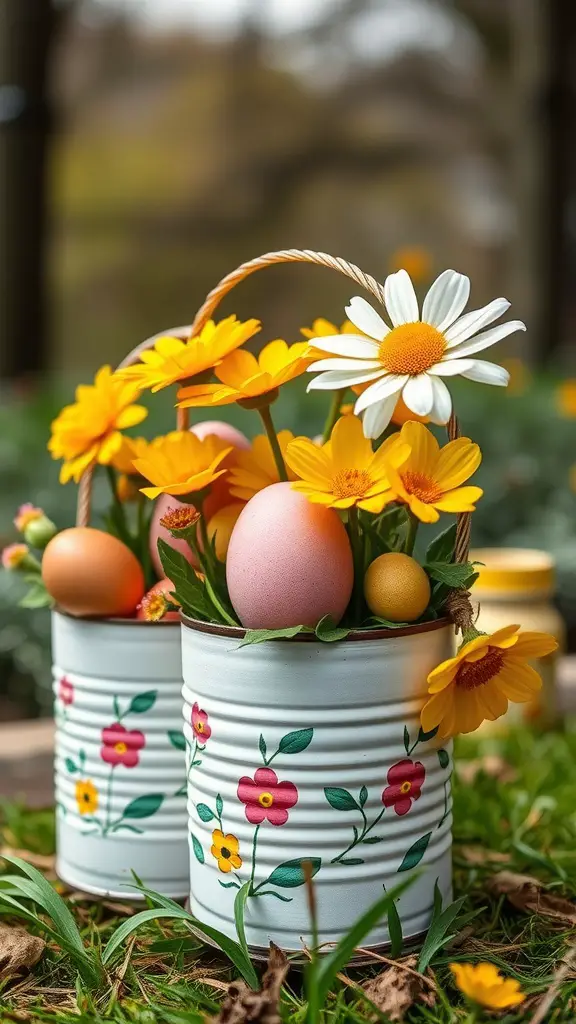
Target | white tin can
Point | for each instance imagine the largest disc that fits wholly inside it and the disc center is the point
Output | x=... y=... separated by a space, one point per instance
x=120 y=763
x=307 y=751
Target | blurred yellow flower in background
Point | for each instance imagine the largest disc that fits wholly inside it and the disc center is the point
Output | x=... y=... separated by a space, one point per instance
x=89 y=430
x=520 y=375
x=180 y=463
x=256 y=468
x=414 y=259
x=244 y=377
x=173 y=360
x=483 y=984
x=566 y=398
x=429 y=480
x=487 y=672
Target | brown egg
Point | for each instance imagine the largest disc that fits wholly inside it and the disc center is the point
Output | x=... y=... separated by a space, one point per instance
x=91 y=573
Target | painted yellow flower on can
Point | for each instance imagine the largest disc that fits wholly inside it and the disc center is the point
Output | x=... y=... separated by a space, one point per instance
x=225 y=850
x=86 y=796
x=483 y=984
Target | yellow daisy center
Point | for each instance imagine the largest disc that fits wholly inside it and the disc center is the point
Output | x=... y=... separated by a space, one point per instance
x=476 y=673
x=120 y=748
x=266 y=799
x=411 y=348
x=350 y=483
x=405 y=787
x=421 y=486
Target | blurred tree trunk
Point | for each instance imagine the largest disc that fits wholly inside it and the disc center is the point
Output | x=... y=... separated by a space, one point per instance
x=26 y=32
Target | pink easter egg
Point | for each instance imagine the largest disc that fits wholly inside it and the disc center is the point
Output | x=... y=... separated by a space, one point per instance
x=224 y=430
x=289 y=561
x=162 y=504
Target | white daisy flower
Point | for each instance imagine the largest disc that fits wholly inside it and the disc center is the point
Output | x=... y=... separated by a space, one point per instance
x=411 y=357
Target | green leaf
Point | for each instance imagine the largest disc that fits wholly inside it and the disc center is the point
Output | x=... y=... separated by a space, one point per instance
x=71 y=765
x=377 y=622
x=406 y=739
x=372 y=839
x=177 y=739
x=219 y=805
x=363 y=796
x=296 y=742
x=262 y=747
x=189 y=590
x=395 y=931
x=290 y=874
x=443 y=757
x=424 y=737
x=328 y=631
x=440 y=925
x=458 y=575
x=37 y=597
x=82 y=757
x=351 y=860
x=144 y=806
x=197 y=847
x=142 y=702
x=414 y=855
x=204 y=812
x=239 y=910
x=116 y=707
x=340 y=799
x=260 y=636
x=441 y=549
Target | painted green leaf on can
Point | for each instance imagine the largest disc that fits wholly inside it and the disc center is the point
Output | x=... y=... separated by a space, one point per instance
x=290 y=874
x=443 y=757
x=295 y=742
x=204 y=812
x=177 y=739
x=197 y=847
x=142 y=702
x=144 y=806
x=340 y=799
x=414 y=855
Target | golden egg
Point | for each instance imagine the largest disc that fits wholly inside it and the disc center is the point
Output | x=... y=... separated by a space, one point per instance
x=396 y=588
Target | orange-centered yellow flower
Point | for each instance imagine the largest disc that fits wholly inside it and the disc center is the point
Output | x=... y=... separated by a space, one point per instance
x=345 y=471
x=256 y=468
x=172 y=360
x=243 y=377
x=181 y=463
x=477 y=684
x=89 y=430
x=429 y=480
x=483 y=984
x=225 y=849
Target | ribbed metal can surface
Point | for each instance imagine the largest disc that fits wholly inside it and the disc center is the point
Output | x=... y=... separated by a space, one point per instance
x=120 y=762
x=307 y=751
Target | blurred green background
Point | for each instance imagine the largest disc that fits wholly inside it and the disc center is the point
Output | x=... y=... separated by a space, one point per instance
x=149 y=146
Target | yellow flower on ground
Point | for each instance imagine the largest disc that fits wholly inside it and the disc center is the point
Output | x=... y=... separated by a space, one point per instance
x=243 y=377
x=86 y=796
x=256 y=468
x=415 y=260
x=220 y=527
x=172 y=360
x=487 y=672
x=225 y=849
x=345 y=471
x=429 y=481
x=483 y=984
x=180 y=463
x=566 y=398
x=89 y=430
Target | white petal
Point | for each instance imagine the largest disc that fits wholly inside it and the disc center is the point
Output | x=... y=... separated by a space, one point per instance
x=400 y=297
x=449 y=367
x=378 y=416
x=366 y=319
x=487 y=373
x=345 y=364
x=342 y=379
x=442 y=407
x=446 y=299
x=475 y=320
x=391 y=384
x=351 y=345
x=487 y=338
x=418 y=394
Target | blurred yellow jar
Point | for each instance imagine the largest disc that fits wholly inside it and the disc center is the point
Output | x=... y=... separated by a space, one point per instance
x=516 y=585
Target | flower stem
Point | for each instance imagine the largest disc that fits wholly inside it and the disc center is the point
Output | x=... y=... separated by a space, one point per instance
x=252 y=890
x=413 y=524
x=333 y=414
x=358 y=557
x=266 y=417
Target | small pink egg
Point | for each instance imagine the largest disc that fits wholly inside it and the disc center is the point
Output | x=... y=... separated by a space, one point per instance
x=224 y=430
x=162 y=504
x=289 y=561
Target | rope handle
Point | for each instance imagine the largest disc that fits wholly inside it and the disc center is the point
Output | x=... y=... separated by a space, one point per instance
x=205 y=313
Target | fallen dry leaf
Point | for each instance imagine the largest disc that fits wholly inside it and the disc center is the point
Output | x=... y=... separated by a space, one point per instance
x=492 y=765
x=529 y=895
x=395 y=990
x=244 y=1006
x=479 y=855
x=18 y=950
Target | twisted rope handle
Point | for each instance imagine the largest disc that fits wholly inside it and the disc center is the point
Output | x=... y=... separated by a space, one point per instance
x=211 y=303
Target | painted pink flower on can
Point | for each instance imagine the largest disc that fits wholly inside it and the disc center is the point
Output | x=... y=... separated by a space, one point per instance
x=405 y=781
x=266 y=798
x=202 y=730
x=121 y=746
x=65 y=691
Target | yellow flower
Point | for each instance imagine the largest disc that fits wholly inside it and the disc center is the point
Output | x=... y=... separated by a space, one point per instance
x=566 y=399
x=256 y=467
x=322 y=328
x=225 y=850
x=415 y=260
x=89 y=430
x=429 y=481
x=221 y=525
x=86 y=796
x=172 y=360
x=244 y=377
x=180 y=463
x=477 y=684
x=130 y=449
x=345 y=471
x=483 y=984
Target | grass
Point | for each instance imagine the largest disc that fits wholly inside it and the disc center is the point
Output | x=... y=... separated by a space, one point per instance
x=514 y=810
